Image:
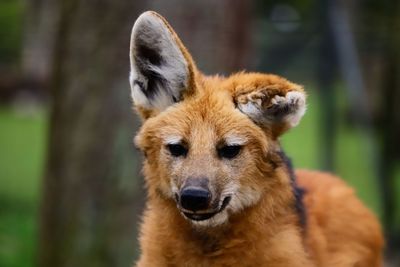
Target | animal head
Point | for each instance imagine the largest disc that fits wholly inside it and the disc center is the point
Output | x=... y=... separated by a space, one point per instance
x=210 y=143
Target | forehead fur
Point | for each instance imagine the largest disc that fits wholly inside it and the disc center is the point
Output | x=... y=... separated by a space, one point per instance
x=210 y=114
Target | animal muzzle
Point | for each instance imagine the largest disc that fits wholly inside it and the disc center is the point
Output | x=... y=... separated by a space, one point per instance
x=197 y=202
x=195 y=198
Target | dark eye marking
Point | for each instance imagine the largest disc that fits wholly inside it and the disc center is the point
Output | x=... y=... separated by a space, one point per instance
x=177 y=150
x=229 y=151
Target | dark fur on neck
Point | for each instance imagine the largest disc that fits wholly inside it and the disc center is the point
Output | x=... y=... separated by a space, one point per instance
x=297 y=190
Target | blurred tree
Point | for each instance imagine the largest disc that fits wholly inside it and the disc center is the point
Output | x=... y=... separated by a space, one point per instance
x=91 y=196
x=381 y=58
x=326 y=72
x=389 y=122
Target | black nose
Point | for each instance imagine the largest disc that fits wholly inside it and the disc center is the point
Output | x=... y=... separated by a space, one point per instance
x=195 y=198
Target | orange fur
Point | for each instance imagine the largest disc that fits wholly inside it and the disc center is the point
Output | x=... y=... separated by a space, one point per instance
x=341 y=230
x=261 y=226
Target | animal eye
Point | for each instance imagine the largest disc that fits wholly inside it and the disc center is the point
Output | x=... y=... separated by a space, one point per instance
x=177 y=150
x=229 y=151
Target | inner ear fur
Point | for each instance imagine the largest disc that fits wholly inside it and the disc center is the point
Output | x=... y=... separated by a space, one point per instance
x=272 y=102
x=162 y=70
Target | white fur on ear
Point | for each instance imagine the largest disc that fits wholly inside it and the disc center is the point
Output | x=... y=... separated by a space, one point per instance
x=159 y=70
x=295 y=102
x=288 y=109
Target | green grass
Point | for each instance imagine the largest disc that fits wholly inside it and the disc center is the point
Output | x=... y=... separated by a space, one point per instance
x=22 y=147
x=22 y=142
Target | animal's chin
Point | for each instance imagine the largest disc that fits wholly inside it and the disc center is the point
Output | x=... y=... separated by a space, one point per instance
x=199 y=217
x=202 y=216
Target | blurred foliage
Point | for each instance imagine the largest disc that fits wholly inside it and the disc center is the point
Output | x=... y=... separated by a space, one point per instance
x=11 y=23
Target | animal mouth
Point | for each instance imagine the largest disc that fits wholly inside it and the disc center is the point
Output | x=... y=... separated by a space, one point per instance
x=202 y=216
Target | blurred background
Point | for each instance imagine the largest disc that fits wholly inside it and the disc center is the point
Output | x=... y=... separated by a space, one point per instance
x=71 y=192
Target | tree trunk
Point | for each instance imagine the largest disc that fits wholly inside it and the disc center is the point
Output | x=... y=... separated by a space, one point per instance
x=92 y=191
x=390 y=127
x=326 y=75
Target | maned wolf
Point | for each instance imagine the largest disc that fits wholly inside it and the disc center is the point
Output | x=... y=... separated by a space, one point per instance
x=220 y=190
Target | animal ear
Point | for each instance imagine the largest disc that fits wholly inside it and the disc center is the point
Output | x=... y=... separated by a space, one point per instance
x=275 y=107
x=162 y=70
